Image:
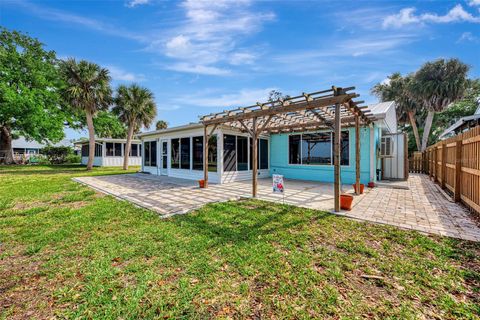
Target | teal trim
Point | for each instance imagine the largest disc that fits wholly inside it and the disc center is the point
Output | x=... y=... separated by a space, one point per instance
x=324 y=173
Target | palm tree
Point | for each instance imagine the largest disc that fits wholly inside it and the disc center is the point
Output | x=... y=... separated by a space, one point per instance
x=87 y=90
x=161 y=125
x=436 y=85
x=135 y=106
x=396 y=88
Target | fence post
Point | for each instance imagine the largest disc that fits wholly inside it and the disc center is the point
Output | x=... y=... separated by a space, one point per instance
x=430 y=163
x=457 y=192
x=444 y=164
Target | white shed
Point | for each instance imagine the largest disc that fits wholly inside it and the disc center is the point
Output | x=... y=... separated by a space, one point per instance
x=110 y=152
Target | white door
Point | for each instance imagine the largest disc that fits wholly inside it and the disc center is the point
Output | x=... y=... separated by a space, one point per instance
x=164 y=157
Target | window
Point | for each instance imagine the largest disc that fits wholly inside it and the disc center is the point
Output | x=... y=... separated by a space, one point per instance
x=197 y=153
x=109 y=149
x=294 y=152
x=153 y=153
x=212 y=154
x=118 y=149
x=229 y=153
x=262 y=149
x=98 y=150
x=175 y=154
x=150 y=159
x=113 y=149
x=134 y=150
x=344 y=148
x=146 y=158
x=386 y=146
x=185 y=153
x=86 y=148
x=317 y=148
x=263 y=154
x=242 y=153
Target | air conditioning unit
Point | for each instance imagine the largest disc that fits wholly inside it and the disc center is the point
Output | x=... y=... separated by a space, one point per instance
x=386 y=147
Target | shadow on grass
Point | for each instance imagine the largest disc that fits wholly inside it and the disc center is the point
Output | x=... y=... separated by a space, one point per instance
x=246 y=221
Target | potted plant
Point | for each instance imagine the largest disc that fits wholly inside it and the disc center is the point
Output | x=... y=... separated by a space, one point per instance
x=201 y=183
x=346 y=201
x=362 y=187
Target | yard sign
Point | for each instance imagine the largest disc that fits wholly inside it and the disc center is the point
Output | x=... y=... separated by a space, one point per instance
x=278 y=186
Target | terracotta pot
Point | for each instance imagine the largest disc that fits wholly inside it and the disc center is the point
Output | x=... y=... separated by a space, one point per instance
x=346 y=201
x=362 y=186
x=201 y=183
x=371 y=184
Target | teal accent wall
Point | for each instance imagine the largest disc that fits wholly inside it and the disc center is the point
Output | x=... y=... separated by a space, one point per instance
x=324 y=173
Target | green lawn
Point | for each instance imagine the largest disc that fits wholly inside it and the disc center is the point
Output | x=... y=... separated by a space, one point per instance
x=69 y=252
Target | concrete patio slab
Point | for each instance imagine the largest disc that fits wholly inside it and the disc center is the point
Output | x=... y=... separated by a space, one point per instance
x=419 y=207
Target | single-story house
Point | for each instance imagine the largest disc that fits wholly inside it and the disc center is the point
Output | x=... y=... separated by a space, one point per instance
x=22 y=146
x=462 y=125
x=305 y=155
x=110 y=152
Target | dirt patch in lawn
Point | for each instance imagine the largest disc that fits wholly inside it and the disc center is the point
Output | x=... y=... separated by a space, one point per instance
x=25 y=291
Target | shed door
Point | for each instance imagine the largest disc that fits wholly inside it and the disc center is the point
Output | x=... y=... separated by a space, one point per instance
x=394 y=167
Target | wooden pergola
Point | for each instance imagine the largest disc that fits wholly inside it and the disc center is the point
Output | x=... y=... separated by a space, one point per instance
x=329 y=109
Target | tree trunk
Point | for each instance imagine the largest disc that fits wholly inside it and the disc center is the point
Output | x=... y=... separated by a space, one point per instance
x=6 y=150
x=413 y=123
x=128 y=146
x=91 y=136
x=426 y=129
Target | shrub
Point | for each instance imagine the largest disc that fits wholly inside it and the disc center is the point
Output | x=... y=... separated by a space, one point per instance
x=73 y=158
x=57 y=155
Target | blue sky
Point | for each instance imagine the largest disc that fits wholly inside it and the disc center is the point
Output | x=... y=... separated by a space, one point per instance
x=200 y=57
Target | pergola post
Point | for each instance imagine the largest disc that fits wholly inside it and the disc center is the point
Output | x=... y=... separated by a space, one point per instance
x=205 y=155
x=336 y=156
x=357 y=153
x=254 y=135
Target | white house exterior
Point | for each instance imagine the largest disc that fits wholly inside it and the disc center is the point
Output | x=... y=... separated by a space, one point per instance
x=178 y=152
x=110 y=152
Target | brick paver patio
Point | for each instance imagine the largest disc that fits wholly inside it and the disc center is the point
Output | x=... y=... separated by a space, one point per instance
x=421 y=207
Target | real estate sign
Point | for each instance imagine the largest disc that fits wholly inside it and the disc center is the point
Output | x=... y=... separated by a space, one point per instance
x=278 y=186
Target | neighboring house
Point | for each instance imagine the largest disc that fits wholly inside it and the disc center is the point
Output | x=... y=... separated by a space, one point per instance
x=21 y=146
x=110 y=152
x=463 y=124
x=178 y=152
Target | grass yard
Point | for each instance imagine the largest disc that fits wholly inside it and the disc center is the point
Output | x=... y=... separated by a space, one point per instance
x=69 y=252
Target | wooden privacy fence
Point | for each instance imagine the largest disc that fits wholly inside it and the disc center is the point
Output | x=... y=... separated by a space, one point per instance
x=455 y=165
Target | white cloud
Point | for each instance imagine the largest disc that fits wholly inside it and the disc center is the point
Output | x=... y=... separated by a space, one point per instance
x=474 y=3
x=407 y=16
x=198 y=69
x=244 y=97
x=134 y=3
x=207 y=39
x=119 y=74
x=240 y=58
x=467 y=37
x=404 y=17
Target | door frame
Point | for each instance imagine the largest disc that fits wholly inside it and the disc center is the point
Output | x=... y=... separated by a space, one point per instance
x=163 y=157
